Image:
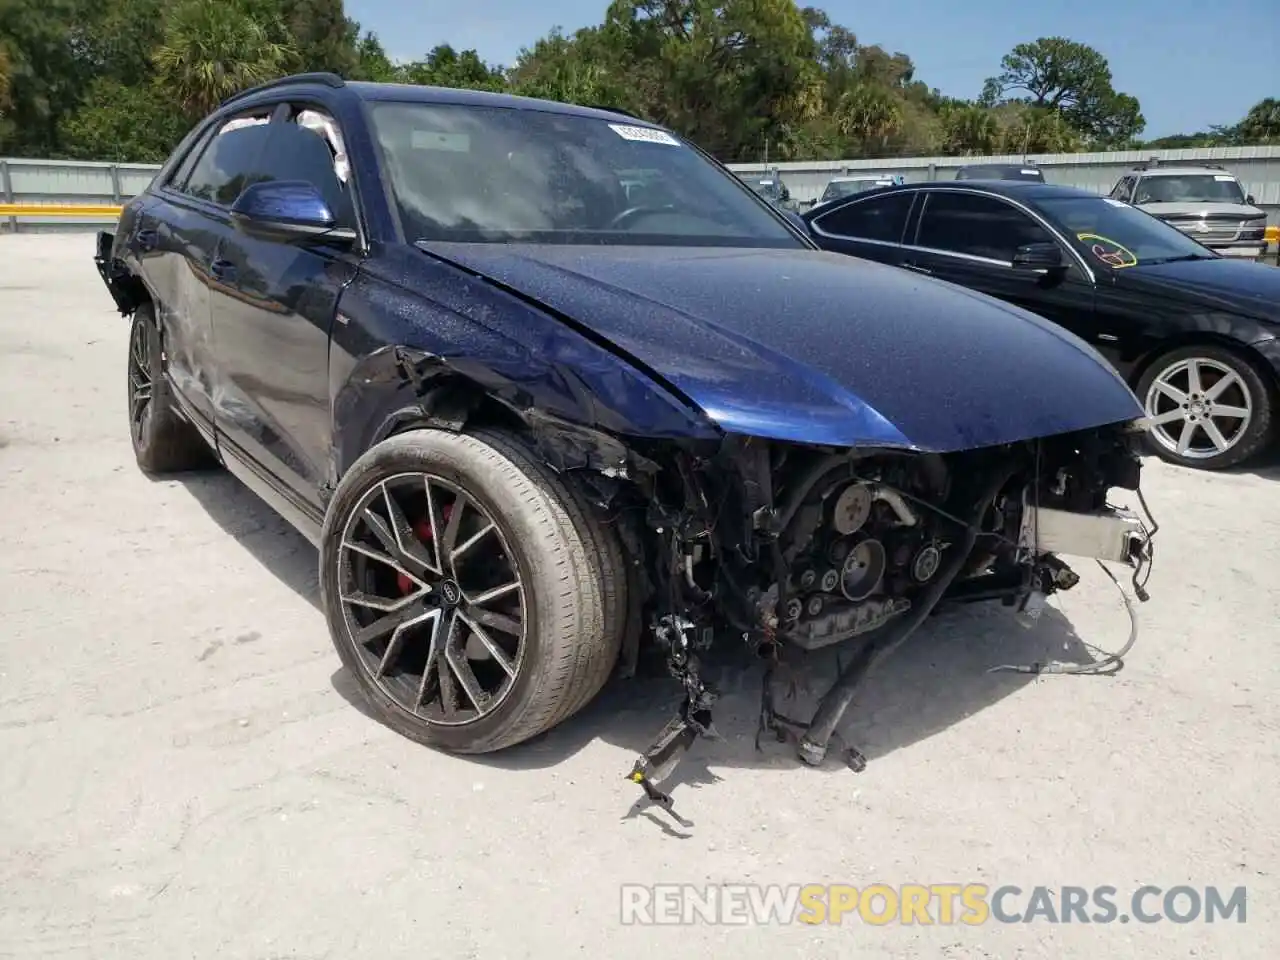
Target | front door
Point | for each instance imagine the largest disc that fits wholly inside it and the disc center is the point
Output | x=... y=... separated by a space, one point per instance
x=970 y=239
x=273 y=307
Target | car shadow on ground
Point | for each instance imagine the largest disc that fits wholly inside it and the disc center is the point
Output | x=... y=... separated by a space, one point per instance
x=1265 y=465
x=934 y=681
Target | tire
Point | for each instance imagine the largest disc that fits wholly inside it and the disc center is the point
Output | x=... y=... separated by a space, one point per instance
x=1247 y=391
x=570 y=567
x=163 y=442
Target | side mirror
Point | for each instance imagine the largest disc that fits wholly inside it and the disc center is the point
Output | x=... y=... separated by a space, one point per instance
x=1249 y=200
x=286 y=210
x=1038 y=256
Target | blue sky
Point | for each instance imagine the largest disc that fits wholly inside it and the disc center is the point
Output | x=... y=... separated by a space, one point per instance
x=1191 y=63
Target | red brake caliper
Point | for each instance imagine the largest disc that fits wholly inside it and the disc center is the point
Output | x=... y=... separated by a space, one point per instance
x=423 y=529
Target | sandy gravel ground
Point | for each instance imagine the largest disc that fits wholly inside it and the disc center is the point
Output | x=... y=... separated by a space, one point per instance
x=184 y=771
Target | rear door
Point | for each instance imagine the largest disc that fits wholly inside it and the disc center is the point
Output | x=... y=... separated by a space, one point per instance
x=273 y=308
x=969 y=238
x=871 y=228
x=179 y=234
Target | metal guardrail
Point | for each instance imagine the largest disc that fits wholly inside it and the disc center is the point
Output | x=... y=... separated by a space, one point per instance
x=57 y=210
x=84 y=210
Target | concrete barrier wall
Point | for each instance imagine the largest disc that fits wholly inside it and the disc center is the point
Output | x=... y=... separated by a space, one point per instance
x=89 y=194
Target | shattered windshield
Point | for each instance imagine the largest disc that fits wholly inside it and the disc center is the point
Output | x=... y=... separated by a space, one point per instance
x=495 y=174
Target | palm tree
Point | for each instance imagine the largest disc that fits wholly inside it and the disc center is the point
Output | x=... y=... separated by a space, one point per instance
x=970 y=130
x=868 y=113
x=213 y=49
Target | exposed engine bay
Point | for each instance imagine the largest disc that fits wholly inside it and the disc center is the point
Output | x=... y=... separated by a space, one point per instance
x=778 y=545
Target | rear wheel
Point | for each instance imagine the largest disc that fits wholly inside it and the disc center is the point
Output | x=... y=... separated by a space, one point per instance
x=1208 y=407
x=163 y=442
x=473 y=594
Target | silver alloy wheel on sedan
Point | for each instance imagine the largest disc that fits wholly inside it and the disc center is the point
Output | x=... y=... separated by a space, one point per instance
x=432 y=598
x=1198 y=408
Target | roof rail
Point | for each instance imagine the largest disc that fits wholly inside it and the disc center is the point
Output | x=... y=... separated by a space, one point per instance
x=1155 y=163
x=327 y=79
x=625 y=113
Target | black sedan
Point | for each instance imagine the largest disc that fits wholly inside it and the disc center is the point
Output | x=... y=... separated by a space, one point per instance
x=1194 y=333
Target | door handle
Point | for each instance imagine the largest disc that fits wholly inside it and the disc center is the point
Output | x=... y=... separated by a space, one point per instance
x=223 y=269
x=147 y=239
x=918 y=269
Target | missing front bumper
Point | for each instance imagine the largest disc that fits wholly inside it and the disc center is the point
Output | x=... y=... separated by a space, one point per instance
x=1115 y=535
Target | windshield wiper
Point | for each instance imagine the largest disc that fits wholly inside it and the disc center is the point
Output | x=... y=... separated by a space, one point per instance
x=1183 y=257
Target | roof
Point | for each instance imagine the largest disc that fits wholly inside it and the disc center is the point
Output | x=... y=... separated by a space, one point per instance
x=1017 y=189
x=1182 y=169
x=413 y=93
x=1026 y=191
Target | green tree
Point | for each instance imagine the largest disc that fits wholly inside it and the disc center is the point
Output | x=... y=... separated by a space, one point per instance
x=734 y=75
x=1071 y=79
x=969 y=130
x=446 y=67
x=577 y=69
x=213 y=49
x=1262 y=123
x=138 y=124
x=869 y=113
x=322 y=36
x=44 y=42
x=372 y=62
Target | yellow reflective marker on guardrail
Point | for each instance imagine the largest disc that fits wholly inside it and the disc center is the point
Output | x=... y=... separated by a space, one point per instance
x=56 y=210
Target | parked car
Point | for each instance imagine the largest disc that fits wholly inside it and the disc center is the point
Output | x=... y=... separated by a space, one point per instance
x=1000 y=171
x=1193 y=332
x=1204 y=201
x=839 y=187
x=534 y=427
x=771 y=188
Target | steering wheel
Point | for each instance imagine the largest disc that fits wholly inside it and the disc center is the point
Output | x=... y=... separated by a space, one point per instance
x=631 y=213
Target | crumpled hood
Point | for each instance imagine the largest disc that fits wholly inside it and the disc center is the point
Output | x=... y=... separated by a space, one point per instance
x=819 y=347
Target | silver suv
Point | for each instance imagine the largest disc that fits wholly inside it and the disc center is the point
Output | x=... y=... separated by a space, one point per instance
x=1205 y=202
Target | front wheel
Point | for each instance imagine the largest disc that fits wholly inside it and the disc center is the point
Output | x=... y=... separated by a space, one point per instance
x=472 y=593
x=1208 y=407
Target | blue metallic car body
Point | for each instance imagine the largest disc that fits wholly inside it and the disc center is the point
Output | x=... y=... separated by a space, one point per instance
x=819 y=348
x=645 y=342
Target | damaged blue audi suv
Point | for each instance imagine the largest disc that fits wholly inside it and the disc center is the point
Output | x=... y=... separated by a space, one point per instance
x=549 y=387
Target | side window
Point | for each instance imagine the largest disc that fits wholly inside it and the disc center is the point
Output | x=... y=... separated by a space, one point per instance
x=227 y=165
x=1123 y=190
x=883 y=219
x=978 y=226
x=304 y=151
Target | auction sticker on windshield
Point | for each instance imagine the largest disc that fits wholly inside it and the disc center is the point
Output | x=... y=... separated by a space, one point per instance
x=643 y=134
